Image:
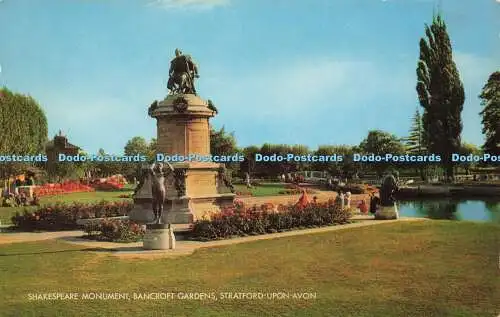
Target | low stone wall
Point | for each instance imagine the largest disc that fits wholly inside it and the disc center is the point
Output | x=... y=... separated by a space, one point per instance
x=83 y=222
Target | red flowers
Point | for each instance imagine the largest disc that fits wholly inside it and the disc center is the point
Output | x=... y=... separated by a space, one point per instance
x=61 y=188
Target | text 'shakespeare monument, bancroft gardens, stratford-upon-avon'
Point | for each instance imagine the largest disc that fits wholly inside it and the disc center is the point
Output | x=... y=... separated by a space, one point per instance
x=184 y=191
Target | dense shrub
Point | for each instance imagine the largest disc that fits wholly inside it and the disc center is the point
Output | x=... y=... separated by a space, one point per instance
x=64 y=216
x=242 y=221
x=114 y=230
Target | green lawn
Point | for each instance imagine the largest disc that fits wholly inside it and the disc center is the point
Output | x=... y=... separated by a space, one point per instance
x=262 y=190
x=7 y=212
x=428 y=268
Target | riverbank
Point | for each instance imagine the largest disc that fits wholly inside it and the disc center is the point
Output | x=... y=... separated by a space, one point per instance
x=469 y=191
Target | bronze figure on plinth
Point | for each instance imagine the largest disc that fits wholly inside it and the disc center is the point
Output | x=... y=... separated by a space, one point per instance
x=158 y=190
x=388 y=190
x=182 y=74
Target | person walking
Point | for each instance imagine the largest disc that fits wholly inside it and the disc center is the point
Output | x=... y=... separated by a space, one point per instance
x=247 y=180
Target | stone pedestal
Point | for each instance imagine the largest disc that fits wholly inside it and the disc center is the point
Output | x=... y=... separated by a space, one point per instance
x=387 y=213
x=183 y=135
x=159 y=237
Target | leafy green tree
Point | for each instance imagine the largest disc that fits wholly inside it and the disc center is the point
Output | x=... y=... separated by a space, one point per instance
x=248 y=165
x=223 y=143
x=61 y=171
x=153 y=146
x=467 y=149
x=381 y=143
x=440 y=92
x=137 y=145
x=23 y=127
x=105 y=169
x=490 y=96
x=274 y=169
x=298 y=150
x=346 y=168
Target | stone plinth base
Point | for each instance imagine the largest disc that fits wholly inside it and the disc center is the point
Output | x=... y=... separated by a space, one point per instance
x=387 y=213
x=158 y=237
x=174 y=211
x=183 y=210
x=197 y=188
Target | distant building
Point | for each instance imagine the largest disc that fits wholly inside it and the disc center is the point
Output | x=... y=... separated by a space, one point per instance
x=55 y=147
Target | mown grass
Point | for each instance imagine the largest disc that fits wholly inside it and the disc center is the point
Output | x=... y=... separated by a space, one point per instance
x=85 y=197
x=261 y=190
x=425 y=268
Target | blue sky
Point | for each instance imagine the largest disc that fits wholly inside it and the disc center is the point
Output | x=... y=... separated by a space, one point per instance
x=280 y=71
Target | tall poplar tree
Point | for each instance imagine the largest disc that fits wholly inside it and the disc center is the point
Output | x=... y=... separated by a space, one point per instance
x=441 y=93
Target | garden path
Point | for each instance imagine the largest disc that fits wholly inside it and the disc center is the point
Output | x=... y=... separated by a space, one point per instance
x=183 y=247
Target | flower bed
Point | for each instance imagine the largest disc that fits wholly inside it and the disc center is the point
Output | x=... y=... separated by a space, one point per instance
x=59 y=216
x=114 y=230
x=357 y=189
x=61 y=188
x=297 y=191
x=242 y=221
x=293 y=189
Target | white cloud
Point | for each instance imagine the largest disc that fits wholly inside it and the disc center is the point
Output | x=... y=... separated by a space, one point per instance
x=200 y=4
x=314 y=84
x=474 y=69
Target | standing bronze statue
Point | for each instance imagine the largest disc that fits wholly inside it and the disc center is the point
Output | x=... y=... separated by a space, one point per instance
x=388 y=190
x=182 y=74
x=158 y=190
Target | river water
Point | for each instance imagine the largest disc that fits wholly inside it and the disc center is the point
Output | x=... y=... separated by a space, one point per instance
x=452 y=209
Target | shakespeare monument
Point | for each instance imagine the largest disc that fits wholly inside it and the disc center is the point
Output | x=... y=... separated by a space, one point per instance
x=388 y=208
x=192 y=189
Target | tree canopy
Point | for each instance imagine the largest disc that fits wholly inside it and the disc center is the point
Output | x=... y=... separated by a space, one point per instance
x=24 y=127
x=23 y=122
x=222 y=143
x=490 y=99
